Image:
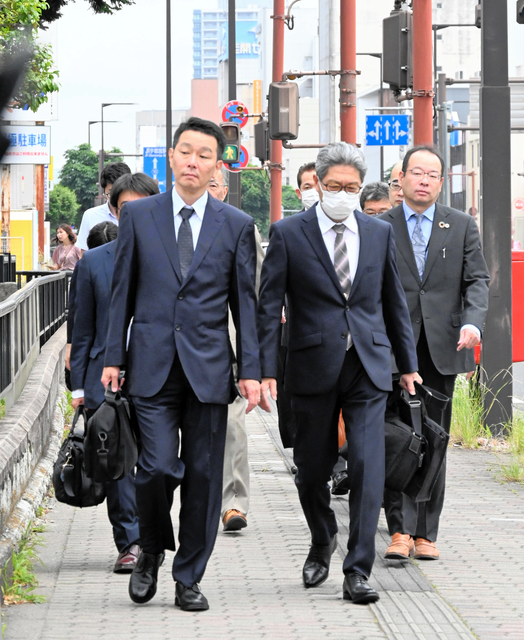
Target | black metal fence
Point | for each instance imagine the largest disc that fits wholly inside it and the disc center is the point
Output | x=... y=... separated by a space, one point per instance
x=28 y=319
x=7 y=267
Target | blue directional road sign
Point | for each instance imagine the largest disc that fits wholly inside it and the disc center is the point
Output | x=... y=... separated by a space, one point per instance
x=387 y=130
x=155 y=165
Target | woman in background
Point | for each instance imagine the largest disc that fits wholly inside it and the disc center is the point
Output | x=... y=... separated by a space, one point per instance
x=66 y=255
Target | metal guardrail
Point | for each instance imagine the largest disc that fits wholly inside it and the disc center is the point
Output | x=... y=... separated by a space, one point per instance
x=28 y=319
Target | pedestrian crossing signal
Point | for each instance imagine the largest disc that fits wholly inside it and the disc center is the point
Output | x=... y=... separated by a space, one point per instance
x=231 y=131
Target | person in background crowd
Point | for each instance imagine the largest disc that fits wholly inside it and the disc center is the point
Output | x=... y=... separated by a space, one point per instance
x=445 y=278
x=396 y=195
x=235 y=485
x=91 y=318
x=374 y=198
x=109 y=175
x=337 y=268
x=67 y=254
x=307 y=190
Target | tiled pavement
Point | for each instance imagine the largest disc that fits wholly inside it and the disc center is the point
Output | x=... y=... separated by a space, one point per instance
x=253 y=581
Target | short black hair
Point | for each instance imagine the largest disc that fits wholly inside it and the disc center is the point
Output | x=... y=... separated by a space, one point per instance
x=309 y=166
x=204 y=126
x=137 y=182
x=101 y=233
x=422 y=147
x=111 y=172
x=374 y=191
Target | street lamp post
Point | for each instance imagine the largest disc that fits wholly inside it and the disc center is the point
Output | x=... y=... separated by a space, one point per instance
x=169 y=112
x=95 y=122
x=101 y=156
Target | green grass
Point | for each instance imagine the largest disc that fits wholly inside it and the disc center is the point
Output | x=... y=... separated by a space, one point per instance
x=24 y=581
x=467 y=421
x=2 y=408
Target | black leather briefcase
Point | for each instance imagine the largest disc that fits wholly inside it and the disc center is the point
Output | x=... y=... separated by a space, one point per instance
x=415 y=444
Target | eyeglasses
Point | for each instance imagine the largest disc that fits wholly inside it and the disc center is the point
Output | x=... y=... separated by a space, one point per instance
x=374 y=212
x=337 y=188
x=394 y=185
x=419 y=174
x=215 y=185
x=106 y=196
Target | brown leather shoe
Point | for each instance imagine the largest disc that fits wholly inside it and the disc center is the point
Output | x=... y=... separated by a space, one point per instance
x=233 y=520
x=425 y=550
x=400 y=547
x=127 y=559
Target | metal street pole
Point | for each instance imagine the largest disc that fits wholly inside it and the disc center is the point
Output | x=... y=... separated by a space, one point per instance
x=422 y=73
x=348 y=63
x=234 y=193
x=444 y=197
x=275 y=207
x=101 y=155
x=495 y=213
x=381 y=104
x=95 y=122
x=169 y=111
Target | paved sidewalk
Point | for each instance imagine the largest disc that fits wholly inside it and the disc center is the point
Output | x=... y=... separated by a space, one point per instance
x=253 y=581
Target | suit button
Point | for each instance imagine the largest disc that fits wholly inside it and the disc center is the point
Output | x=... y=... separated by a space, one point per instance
x=343 y=335
x=422 y=292
x=418 y=320
x=347 y=307
x=180 y=296
x=177 y=327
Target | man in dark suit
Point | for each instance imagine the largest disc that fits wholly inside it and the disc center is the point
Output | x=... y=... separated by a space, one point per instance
x=337 y=269
x=445 y=279
x=89 y=321
x=182 y=259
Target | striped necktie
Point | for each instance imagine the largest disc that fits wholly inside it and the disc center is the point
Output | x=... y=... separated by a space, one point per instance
x=185 y=241
x=419 y=246
x=341 y=260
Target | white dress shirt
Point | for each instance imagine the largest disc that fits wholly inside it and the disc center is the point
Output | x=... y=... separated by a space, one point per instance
x=351 y=238
x=91 y=217
x=195 y=220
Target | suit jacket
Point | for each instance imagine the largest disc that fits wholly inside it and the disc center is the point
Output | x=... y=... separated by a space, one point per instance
x=297 y=265
x=185 y=317
x=94 y=273
x=454 y=287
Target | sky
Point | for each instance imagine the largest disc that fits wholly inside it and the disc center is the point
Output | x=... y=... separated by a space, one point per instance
x=117 y=58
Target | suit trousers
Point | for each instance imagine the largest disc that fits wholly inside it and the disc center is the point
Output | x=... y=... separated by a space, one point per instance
x=404 y=515
x=235 y=489
x=121 y=508
x=316 y=452
x=182 y=444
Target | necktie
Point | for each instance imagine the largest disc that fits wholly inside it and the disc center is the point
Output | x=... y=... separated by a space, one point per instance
x=185 y=241
x=419 y=246
x=341 y=261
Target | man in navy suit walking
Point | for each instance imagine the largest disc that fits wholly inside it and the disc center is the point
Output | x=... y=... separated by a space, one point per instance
x=346 y=310
x=182 y=259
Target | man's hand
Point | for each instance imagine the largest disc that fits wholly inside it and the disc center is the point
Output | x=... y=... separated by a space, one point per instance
x=468 y=339
x=407 y=382
x=271 y=384
x=76 y=402
x=250 y=389
x=68 y=356
x=110 y=375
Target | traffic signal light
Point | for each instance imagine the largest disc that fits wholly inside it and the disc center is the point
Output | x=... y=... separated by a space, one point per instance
x=397 y=35
x=283 y=111
x=520 y=11
x=231 y=132
x=261 y=140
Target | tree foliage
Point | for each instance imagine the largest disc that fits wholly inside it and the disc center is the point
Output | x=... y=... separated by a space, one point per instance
x=80 y=173
x=54 y=8
x=63 y=206
x=255 y=199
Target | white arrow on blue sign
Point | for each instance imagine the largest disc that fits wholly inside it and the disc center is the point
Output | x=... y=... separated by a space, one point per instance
x=387 y=130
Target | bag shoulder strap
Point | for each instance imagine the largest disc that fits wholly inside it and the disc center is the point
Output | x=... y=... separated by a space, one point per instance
x=416 y=409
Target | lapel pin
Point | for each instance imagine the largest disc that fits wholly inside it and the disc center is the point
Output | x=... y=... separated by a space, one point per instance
x=443 y=225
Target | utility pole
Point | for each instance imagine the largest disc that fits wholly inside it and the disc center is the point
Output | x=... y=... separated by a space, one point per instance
x=422 y=73
x=234 y=193
x=443 y=136
x=495 y=213
x=275 y=206
x=348 y=79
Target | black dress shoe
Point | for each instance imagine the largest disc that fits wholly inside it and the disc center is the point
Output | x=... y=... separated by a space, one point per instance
x=340 y=484
x=142 y=585
x=316 y=567
x=190 y=598
x=356 y=588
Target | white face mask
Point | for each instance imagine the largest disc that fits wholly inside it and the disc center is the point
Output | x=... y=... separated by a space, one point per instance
x=338 y=206
x=309 y=198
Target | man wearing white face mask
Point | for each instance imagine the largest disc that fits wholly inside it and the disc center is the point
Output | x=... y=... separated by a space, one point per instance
x=347 y=310
x=307 y=190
